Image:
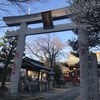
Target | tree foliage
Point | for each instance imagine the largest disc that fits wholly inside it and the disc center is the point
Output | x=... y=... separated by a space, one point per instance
x=86 y=12
x=48 y=49
x=7 y=52
x=57 y=74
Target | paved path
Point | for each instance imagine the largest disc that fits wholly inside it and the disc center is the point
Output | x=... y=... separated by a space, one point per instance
x=67 y=95
x=51 y=95
x=56 y=94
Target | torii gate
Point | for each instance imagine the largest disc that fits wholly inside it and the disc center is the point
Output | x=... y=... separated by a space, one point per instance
x=89 y=86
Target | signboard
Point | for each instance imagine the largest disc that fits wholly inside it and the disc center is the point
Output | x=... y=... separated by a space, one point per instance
x=47 y=20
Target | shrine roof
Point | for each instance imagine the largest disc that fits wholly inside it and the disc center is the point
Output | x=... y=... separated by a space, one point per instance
x=34 y=65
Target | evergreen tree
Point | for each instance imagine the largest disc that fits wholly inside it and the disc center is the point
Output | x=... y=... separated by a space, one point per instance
x=8 y=48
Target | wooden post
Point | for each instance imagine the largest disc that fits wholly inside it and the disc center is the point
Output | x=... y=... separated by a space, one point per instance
x=26 y=76
x=38 y=80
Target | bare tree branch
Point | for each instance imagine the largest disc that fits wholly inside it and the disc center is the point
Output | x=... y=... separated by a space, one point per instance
x=47 y=48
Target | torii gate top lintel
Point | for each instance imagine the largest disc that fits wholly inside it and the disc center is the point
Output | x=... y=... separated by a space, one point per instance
x=57 y=14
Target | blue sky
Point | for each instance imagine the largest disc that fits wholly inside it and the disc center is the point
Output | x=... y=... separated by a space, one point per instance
x=40 y=7
x=51 y=5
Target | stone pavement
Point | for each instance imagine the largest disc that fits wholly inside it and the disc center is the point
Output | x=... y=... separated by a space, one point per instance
x=44 y=95
x=48 y=94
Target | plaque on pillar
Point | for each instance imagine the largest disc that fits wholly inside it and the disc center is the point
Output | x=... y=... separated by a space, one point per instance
x=47 y=20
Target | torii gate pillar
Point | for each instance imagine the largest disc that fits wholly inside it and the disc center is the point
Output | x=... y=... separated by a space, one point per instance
x=14 y=81
x=88 y=69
